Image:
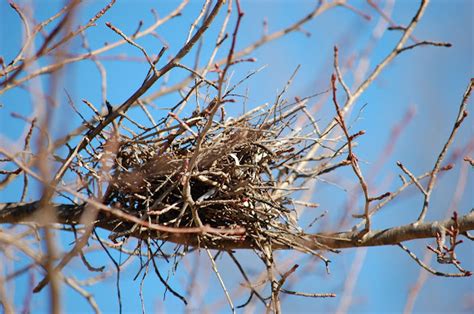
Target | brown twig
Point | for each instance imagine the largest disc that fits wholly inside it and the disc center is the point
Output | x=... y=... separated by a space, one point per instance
x=462 y=114
x=351 y=156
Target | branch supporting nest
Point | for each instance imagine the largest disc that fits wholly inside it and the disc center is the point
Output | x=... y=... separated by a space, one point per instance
x=70 y=214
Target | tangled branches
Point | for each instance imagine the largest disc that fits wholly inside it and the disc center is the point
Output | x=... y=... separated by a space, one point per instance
x=236 y=183
x=196 y=178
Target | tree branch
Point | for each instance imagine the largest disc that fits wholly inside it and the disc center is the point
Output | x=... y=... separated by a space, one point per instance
x=15 y=213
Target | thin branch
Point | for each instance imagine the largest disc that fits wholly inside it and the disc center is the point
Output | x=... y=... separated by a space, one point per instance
x=412 y=177
x=462 y=114
x=429 y=269
x=221 y=282
x=309 y=295
x=425 y=43
x=131 y=42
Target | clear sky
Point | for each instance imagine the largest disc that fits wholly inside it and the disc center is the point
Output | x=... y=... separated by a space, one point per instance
x=428 y=80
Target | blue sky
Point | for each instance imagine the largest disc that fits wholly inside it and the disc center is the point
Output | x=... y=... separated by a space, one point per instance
x=431 y=80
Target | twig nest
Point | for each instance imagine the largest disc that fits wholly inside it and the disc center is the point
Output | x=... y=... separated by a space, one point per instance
x=235 y=176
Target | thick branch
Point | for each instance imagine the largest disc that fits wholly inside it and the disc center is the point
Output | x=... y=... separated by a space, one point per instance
x=70 y=214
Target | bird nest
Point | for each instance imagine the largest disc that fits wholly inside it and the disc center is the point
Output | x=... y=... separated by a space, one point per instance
x=225 y=174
